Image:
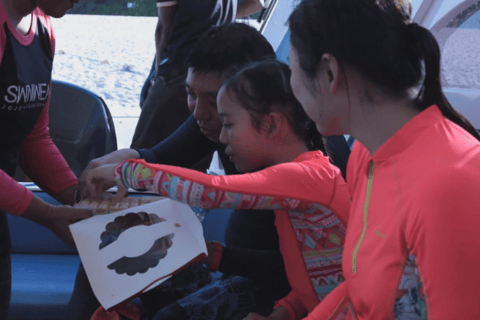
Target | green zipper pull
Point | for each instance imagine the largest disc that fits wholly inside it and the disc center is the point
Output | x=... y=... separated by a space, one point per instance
x=365 y=212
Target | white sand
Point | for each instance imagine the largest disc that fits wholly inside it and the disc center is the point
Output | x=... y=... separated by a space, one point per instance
x=109 y=55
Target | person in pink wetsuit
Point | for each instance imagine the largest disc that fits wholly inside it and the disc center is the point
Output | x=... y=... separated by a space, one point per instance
x=27 y=47
x=363 y=68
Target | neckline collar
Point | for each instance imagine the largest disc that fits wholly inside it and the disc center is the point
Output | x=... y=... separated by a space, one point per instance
x=23 y=39
x=409 y=133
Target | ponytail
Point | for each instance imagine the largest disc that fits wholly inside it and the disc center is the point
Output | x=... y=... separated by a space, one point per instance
x=431 y=90
x=313 y=139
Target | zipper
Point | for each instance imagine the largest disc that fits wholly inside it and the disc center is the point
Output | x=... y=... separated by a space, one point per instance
x=365 y=212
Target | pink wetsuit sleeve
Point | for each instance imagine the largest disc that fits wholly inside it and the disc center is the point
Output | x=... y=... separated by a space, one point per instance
x=446 y=243
x=286 y=186
x=14 y=197
x=330 y=305
x=293 y=305
x=41 y=160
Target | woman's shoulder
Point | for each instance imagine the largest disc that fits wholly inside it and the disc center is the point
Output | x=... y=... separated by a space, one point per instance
x=315 y=159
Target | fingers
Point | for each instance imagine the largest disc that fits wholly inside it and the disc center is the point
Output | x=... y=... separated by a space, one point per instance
x=83 y=180
x=82 y=185
x=98 y=180
x=110 y=159
x=69 y=214
x=121 y=193
x=91 y=184
x=80 y=214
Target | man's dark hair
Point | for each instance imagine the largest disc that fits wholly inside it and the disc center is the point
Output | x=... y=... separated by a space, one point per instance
x=227 y=48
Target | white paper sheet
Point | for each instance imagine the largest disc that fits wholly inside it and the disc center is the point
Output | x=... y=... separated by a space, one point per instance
x=131 y=258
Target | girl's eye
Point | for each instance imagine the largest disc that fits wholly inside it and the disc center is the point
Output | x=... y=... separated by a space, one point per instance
x=227 y=125
x=191 y=96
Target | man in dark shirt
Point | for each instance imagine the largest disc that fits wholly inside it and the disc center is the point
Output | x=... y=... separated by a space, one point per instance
x=180 y=24
x=252 y=269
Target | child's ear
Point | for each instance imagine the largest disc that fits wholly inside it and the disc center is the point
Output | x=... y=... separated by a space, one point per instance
x=273 y=123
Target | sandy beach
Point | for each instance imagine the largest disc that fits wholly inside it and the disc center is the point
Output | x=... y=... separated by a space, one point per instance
x=109 y=55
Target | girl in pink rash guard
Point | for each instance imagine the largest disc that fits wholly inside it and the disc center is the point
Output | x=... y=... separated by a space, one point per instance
x=361 y=67
x=264 y=130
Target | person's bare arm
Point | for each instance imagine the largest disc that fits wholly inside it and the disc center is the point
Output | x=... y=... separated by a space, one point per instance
x=166 y=17
x=249 y=7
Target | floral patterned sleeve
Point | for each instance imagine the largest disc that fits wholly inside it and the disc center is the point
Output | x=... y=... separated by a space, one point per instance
x=286 y=186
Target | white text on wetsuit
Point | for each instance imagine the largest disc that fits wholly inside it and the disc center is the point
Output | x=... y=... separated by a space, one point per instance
x=36 y=94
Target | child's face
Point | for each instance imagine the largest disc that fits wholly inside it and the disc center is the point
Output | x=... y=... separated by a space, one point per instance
x=56 y=8
x=247 y=147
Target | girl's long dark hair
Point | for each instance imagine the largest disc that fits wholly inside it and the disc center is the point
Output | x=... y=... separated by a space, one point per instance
x=378 y=39
x=263 y=87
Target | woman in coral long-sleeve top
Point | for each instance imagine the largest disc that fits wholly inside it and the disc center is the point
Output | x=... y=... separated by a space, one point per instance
x=362 y=68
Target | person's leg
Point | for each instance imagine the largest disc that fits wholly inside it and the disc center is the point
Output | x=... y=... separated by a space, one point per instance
x=147 y=84
x=83 y=302
x=164 y=110
x=5 y=267
x=230 y=298
x=177 y=287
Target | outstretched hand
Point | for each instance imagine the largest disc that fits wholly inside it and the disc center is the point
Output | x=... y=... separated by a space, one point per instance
x=102 y=178
x=111 y=158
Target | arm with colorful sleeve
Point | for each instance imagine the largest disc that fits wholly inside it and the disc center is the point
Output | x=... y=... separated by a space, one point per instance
x=286 y=186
